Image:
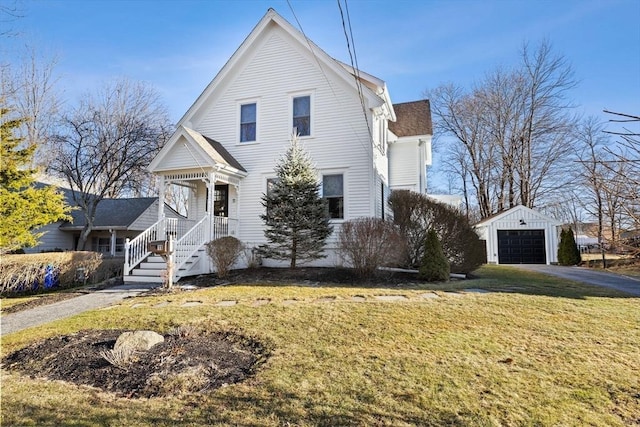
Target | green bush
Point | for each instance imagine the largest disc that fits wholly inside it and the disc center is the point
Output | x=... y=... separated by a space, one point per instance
x=568 y=252
x=434 y=266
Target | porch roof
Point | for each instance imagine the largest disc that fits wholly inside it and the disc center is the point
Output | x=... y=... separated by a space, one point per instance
x=224 y=154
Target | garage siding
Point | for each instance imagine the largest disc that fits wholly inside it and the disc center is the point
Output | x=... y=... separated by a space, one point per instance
x=518 y=245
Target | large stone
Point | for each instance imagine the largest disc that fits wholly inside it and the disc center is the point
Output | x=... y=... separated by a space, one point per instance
x=138 y=340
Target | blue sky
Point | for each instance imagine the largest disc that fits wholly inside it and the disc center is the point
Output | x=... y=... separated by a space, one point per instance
x=179 y=46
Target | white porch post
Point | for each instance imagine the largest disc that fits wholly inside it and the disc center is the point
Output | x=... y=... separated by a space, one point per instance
x=161 y=190
x=112 y=246
x=211 y=185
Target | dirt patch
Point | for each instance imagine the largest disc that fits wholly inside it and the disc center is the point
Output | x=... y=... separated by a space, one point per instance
x=186 y=362
x=41 y=300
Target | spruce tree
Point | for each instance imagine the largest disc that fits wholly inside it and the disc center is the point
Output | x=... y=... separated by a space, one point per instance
x=434 y=266
x=23 y=207
x=296 y=217
x=568 y=252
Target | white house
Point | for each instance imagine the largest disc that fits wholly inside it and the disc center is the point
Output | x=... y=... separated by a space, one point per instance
x=520 y=235
x=227 y=144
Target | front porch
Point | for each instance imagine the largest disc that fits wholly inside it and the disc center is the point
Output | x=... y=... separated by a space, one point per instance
x=208 y=180
x=211 y=213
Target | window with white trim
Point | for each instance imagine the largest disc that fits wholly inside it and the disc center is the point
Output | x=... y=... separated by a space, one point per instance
x=333 y=192
x=248 y=122
x=302 y=115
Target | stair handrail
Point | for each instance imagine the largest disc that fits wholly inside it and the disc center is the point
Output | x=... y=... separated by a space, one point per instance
x=190 y=243
x=136 y=249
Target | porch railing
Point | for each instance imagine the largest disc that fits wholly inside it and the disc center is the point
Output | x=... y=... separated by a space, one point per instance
x=188 y=235
x=189 y=244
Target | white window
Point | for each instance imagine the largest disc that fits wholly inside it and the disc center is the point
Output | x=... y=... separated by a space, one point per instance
x=248 y=122
x=333 y=192
x=302 y=115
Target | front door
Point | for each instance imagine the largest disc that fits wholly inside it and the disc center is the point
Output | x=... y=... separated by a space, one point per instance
x=221 y=200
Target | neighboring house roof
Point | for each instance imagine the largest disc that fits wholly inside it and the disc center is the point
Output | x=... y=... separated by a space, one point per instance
x=412 y=118
x=112 y=213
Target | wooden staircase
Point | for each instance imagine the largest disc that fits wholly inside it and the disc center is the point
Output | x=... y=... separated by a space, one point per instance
x=189 y=255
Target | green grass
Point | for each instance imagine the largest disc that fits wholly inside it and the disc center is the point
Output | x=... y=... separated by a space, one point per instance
x=536 y=351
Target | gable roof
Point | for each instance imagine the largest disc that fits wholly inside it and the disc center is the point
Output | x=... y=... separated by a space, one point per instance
x=412 y=118
x=211 y=151
x=112 y=213
x=226 y=158
x=322 y=59
x=520 y=208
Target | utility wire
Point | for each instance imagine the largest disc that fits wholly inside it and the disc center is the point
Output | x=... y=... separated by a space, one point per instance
x=313 y=52
x=354 y=63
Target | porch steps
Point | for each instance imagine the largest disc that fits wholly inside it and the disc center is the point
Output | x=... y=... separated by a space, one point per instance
x=153 y=268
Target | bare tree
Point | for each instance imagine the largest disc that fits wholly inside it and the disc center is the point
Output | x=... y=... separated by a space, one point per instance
x=513 y=131
x=31 y=88
x=104 y=145
x=591 y=173
x=625 y=162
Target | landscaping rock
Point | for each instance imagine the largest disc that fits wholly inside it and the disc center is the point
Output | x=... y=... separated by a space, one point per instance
x=138 y=340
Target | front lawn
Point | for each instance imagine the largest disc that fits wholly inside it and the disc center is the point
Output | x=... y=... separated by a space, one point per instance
x=533 y=351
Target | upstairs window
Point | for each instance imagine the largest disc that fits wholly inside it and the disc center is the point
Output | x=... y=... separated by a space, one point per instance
x=302 y=115
x=333 y=192
x=248 y=122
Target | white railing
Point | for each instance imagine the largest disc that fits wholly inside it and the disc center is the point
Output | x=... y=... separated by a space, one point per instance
x=189 y=244
x=136 y=249
x=188 y=236
x=223 y=226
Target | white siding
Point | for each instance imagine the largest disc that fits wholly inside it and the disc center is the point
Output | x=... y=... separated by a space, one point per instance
x=404 y=166
x=510 y=220
x=182 y=156
x=275 y=69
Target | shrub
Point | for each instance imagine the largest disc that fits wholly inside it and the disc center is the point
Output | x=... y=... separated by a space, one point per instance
x=415 y=214
x=224 y=252
x=434 y=266
x=36 y=272
x=568 y=252
x=369 y=243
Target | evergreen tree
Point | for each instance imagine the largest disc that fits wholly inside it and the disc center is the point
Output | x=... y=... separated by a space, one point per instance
x=296 y=217
x=568 y=252
x=23 y=207
x=434 y=266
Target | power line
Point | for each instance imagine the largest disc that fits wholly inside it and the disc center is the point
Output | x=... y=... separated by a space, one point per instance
x=354 y=63
x=309 y=44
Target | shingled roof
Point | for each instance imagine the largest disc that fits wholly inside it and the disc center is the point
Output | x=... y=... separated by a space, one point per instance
x=112 y=213
x=412 y=118
x=226 y=157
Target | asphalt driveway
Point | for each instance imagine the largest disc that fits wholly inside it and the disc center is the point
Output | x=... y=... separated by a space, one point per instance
x=589 y=276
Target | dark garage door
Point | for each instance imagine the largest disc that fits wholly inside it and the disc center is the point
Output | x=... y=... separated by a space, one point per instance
x=521 y=247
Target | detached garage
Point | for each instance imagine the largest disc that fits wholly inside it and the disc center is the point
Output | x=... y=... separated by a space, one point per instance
x=520 y=235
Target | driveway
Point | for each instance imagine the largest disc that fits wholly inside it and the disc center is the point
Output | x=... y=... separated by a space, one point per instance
x=589 y=276
x=48 y=313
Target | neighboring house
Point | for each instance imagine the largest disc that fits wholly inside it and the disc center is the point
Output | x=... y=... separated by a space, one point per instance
x=520 y=235
x=116 y=220
x=228 y=143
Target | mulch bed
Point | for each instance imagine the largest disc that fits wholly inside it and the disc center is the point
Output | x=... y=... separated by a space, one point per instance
x=183 y=363
x=187 y=361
